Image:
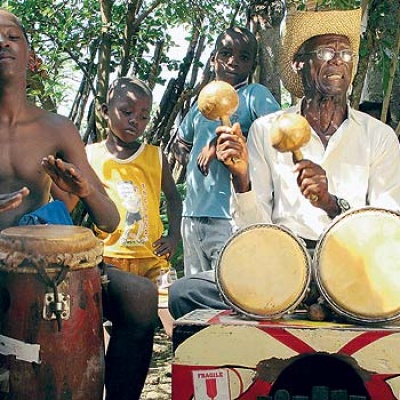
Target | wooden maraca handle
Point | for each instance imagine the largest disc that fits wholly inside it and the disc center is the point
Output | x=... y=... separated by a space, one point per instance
x=226 y=121
x=297 y=155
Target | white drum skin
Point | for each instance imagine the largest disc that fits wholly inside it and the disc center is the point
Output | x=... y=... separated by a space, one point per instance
x=356 y=265
x=263 y=271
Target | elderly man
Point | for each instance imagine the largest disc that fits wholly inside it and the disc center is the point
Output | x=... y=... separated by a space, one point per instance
x=351 y=160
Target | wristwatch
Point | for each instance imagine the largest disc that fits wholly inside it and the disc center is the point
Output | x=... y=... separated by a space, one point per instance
x=343 y=205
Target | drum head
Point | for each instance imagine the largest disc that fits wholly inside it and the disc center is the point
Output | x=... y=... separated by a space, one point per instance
x=263 y=271
x=68 y=245
x=357 y=265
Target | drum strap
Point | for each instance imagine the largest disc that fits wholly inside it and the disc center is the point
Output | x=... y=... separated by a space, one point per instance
x=40 y=265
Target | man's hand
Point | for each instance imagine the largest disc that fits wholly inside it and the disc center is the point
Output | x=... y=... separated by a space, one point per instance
x=9 y=201
x=66 y=176
x=313 y=184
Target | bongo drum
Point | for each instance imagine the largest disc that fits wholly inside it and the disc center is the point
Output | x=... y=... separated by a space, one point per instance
x=263 y=271
x=357 y=265
x=51 y=336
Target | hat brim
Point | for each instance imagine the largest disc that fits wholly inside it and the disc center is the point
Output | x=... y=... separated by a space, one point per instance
x=303 y=25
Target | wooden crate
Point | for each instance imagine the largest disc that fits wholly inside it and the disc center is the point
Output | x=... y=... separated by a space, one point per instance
x=292 y=358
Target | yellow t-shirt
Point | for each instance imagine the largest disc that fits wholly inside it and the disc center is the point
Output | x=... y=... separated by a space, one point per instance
x=134 y=185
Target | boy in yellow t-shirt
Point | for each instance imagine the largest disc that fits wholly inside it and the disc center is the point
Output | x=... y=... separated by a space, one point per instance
x=134 y=174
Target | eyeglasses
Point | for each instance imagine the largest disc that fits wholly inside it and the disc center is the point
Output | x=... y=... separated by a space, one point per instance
x=328 y=54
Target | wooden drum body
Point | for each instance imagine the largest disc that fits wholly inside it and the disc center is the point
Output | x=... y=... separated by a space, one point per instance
x=357 y=265
x=263 y=271
x=51 y=332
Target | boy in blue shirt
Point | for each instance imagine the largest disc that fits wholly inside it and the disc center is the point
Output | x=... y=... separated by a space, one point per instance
x=206 y=223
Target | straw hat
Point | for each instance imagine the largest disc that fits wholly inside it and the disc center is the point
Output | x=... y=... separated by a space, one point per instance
x=303 y=25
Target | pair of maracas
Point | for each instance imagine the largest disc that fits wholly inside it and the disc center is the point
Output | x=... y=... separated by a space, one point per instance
x=218 y=100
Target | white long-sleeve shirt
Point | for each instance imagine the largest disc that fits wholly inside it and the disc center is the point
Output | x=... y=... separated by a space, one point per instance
x=362 y=163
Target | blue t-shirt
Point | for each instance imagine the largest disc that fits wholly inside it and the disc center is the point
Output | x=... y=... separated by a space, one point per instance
x=209 y=196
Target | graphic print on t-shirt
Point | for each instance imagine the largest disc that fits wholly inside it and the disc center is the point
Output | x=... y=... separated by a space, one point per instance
x=135 y=231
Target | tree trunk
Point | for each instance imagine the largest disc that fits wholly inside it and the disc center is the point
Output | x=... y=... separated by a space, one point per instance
x=165 y=117
x=266 y=17
x=392 y=71
x=380 y=79
x=155 y=68
x=103 y=69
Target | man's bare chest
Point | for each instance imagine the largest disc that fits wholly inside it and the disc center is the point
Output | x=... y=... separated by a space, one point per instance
x=20 y=158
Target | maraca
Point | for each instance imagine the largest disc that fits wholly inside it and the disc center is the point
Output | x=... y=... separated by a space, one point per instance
x=290 y=132
x=218 y=100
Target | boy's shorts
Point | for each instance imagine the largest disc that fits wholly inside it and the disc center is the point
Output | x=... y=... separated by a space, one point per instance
x=154 y=268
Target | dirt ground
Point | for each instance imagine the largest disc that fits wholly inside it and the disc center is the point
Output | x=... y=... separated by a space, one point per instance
x=158 y=382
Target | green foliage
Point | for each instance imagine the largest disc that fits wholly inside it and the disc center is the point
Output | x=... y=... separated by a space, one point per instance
x=338 y=4
x=62 y=34
x=65 y=34
x=383 y=25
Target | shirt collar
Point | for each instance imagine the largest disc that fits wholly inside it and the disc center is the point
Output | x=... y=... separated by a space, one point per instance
x=240 y=84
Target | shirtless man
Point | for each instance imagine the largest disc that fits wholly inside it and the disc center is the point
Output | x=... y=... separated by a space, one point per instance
x=42 y=155
x=34 y=141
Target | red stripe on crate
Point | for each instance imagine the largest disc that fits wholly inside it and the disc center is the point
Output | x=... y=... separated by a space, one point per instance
x=363 y=340
x=289 y=340
x=216 y=318
x=379 y=389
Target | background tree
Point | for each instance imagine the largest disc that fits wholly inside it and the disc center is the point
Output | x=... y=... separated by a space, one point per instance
x=378 y=72
x=95 y=41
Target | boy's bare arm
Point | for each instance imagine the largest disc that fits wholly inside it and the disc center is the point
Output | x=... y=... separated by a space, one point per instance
x=168 y=244
x=207 y=154
x=181 y=151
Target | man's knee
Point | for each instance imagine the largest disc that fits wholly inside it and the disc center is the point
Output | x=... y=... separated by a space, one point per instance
x=176 y=297
x=186 y=294
x=145 y=297
x=131 y=301
x=198 y=291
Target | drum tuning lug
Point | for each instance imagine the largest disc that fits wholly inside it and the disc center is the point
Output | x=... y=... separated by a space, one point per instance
x=60 y=308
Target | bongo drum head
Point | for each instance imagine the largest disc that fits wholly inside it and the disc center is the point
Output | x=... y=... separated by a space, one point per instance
x=357 y=265
x=263 y=271
x=73 y=246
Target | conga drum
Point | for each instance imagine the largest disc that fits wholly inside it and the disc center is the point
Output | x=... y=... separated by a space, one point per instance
x=263 y=271
x=357 y=265
x=51 y=334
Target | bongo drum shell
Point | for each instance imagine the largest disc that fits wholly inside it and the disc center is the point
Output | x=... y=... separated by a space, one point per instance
x=70 y=361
